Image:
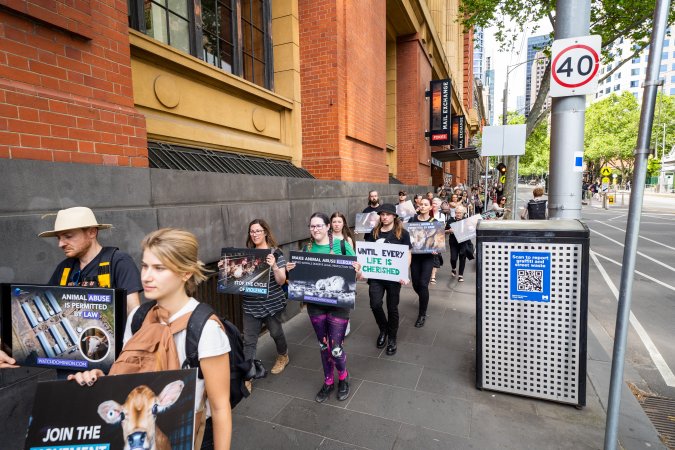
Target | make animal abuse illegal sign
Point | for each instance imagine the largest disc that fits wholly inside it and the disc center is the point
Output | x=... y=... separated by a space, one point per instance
x=382 y=261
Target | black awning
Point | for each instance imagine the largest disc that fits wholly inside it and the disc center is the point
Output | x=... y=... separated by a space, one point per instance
x=177 y=157
x=456 y=154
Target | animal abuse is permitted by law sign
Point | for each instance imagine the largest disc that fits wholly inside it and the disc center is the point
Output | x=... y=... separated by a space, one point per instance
x=323 y=279
x=153 y=410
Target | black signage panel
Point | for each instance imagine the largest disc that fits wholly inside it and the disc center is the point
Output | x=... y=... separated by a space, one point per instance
x=439 y=112
x=458 y=131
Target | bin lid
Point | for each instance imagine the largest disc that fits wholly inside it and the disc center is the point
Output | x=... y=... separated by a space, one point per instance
x=531 y=228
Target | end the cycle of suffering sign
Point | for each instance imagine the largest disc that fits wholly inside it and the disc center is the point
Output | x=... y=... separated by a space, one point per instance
x=530 y=276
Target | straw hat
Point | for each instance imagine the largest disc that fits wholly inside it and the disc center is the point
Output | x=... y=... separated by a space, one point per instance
x=74 y=218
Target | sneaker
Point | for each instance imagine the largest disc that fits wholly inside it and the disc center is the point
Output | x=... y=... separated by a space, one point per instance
x=420 y=321
x=433 y=281
x=324 y=393
x=343 y=389
x=454 y=273
x=280 y=364
x=461 y=278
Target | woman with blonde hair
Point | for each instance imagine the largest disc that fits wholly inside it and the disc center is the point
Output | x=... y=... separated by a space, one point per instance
x=170 y=273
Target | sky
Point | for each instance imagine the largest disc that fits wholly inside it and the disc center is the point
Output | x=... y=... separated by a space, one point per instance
x=503 y=59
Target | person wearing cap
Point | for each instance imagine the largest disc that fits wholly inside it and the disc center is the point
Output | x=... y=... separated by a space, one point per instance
x=390 y=231
x=87 y=262
x=402 y=197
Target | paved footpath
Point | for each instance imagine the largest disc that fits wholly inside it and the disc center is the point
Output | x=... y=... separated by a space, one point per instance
x=424 y=397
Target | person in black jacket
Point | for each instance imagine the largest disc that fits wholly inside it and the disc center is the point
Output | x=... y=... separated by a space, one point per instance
x=458 y=250
x=390 y=231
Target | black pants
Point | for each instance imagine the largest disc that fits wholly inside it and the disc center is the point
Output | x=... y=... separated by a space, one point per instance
x=376 y=290
x=420 y=273
x=454 y=255
x=207 y=442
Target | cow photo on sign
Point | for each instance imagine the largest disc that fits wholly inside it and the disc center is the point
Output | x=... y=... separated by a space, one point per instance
x=63 y=327
x=365 y=222
x=405 y=211
x=323 y=279
x=426 y=237
x=150 y=411
x=244 y=271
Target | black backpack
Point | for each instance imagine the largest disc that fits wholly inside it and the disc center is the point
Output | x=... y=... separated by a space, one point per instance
x=536 y=209
x=239 y=366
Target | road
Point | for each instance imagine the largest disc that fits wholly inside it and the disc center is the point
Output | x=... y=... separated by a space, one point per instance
x=650 y=350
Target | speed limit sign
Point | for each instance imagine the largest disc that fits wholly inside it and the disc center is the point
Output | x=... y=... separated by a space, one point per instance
x=575 y=66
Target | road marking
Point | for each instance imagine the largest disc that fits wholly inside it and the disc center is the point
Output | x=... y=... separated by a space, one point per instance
x=656 y=216
x=645 y=238
x=654 y=353
x=616 y=217
x=665 y=285
x=639 y=253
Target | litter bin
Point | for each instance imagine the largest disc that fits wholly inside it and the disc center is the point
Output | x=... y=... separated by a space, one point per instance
x=531 y=308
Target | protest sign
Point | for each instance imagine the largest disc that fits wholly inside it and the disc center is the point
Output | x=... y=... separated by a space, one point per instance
x=146 y=411
x=426 y=237
x=64 y=327
x=382 y=261
x=244 y=271
x=365 y=222
x=405 y=210
x=322 y=279
x=465 y=229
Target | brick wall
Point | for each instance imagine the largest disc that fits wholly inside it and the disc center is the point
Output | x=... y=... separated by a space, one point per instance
x=65 y=83
x=412 y=113
x=343 y=89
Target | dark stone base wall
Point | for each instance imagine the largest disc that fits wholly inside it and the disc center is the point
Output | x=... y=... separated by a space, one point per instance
x=216 y=207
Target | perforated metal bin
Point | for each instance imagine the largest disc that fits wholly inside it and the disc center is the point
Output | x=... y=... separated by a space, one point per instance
x=531 y=308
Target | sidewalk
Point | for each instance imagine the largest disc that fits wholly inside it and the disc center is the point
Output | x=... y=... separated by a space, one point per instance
x=424 y=397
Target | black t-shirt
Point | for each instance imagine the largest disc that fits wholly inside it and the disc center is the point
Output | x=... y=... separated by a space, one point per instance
x=369 y=208
x=125 y=274
x=390 y=238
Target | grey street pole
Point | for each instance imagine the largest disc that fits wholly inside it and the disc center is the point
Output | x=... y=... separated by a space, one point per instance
x=567 y=122
x=633 y=225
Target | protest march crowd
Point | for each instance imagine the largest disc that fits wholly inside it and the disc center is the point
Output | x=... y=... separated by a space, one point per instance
x=156 y=332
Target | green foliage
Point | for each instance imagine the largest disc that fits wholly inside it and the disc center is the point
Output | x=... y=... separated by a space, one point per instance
x=611 y=132
x=664 y=114
x=653 y=166
x=537 y=151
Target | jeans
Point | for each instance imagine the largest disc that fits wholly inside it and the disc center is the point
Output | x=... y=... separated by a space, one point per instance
x=252 y=327
x=420 y=273
x=376 y=290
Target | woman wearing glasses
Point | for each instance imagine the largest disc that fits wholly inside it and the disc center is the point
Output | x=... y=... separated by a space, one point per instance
x=259 y=310
x=329 y=322
x=500 y=207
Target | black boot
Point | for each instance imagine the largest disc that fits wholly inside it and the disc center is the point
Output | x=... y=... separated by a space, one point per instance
x=343 y=389
x=391 y=346
x=324 y=393
x=382 y=339
x=420 y=321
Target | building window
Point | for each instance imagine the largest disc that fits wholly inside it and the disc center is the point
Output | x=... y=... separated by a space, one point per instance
x=634 y=72
x=617 y=87
x=617 y=75
x=662 y=69
x=233 y=35
x=636 y=60
x=607 y=90
x=666 y=43
x=635 y=94
x=634 y=83
x=672 y=91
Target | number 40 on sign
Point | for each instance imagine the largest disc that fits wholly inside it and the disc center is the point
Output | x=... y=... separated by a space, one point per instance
x=575 y=64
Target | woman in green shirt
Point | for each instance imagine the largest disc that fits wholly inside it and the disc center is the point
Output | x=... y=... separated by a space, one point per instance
x=329 y=322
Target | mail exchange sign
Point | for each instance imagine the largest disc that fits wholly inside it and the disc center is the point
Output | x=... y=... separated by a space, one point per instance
x=439 y=113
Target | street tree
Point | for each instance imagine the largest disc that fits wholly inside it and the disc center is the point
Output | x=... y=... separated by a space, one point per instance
x=611 y=133
x=613 y=20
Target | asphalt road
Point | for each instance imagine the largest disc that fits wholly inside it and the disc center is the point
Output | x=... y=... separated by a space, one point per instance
x=651 y=338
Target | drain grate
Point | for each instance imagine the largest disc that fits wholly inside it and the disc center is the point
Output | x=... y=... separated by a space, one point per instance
x=661 y=412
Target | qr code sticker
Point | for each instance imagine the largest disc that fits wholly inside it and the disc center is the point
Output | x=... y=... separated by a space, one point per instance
x=531 y=280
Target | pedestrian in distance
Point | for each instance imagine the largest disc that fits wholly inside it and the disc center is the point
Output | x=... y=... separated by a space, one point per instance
x=267 y=309
x=329 y=322
x=421 y=266
x=390 y=231
x=416 y=202
x=171 y=272
x=87 y=262
x=500 y=208
x=373 y=202
x=402 y=197
x=439 y=215
x=536 y=207
x=458 y=250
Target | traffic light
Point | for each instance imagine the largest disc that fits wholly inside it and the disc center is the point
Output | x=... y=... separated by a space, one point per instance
x=501 y=167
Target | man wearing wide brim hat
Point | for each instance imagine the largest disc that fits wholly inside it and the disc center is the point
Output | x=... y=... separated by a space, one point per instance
x=390 y=231
x=87 y=262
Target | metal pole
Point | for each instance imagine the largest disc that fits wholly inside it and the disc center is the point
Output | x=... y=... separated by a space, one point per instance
x=515 y=192
x=485 y=194
x=633 y=226
x=567 y=122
